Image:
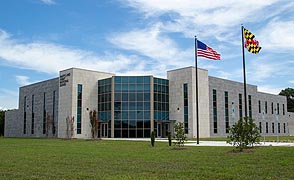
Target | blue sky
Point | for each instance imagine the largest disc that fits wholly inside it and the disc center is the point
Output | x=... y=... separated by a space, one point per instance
x=38 y=38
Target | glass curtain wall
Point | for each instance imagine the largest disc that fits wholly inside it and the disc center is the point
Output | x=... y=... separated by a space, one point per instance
x=161 y=105
x=104 y=103
x=132 y=106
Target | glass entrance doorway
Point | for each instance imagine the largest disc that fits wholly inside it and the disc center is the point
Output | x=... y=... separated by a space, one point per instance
x=162 y=129
x=104 y=130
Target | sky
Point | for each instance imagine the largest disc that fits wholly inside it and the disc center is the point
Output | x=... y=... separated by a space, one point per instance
x=38 y=38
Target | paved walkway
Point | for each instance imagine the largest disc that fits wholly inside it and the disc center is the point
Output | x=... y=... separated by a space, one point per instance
x=203 y=143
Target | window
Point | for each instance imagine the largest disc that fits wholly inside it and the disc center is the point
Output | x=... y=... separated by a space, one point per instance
x=250 y=106
x=265 y=107
x=284 y=127
x=79 y=108
x=240 y=106
x=214 y=103
x=186 y=108
x=227 y=111
x=260 y=127
x=278 y=108
x=266 y=127
x=259 y=106
x=33 y=116
x=54 y=120
x=273 y=127
x=25 y=115
x=279 y=128
x=283 y=109
x=272 y=106
x=44 y=113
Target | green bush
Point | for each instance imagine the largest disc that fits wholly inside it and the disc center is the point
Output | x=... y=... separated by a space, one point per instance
x=169 y=138
x=244 y=134
x=180 y=134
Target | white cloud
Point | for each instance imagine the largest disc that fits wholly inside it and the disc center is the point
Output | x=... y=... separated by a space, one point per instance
x=291 y=81
x=277 y=36
x=23 y=80
x=270 y=89
x=50 y=58
x=48 y=2
x=209 y=17
x=8 y=99
x=151 y=43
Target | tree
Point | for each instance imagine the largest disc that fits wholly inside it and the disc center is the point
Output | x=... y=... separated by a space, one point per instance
x=2 y=119
x=244 y=134
x=70 y=127
x=94 y=123
x=289 y=93
x=180 y=134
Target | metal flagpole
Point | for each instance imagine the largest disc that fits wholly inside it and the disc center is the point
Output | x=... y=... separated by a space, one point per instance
x=196 y=75
x=244 y=72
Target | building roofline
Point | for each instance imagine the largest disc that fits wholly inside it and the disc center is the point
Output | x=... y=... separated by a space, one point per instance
x=186 y=68
x=73 y=68
x=35 y=83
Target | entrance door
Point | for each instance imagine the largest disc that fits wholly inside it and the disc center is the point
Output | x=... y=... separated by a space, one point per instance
x=104 y=130
x=159 y=131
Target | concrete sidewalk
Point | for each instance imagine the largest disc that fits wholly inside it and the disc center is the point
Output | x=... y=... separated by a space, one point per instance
x=202 y=143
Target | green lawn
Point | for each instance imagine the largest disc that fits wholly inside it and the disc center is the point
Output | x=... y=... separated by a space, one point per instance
x=84 y=159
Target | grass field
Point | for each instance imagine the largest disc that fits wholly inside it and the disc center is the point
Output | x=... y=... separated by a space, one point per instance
x=85 y=159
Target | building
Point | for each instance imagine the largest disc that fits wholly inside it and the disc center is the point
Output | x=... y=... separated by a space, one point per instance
x=134 y=106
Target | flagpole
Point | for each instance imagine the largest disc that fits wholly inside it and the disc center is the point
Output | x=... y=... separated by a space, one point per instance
x=196 y=75
x=244 y=72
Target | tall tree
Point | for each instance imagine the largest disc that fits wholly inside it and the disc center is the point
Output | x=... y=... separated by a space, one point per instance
x=289 y=93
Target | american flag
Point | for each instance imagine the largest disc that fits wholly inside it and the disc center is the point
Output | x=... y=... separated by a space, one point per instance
x=205 y=51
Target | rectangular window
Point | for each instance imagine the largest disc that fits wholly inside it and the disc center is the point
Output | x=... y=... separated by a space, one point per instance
x=278 y=108
x=259 y=106
x=260 y=127
x=284 y=127
x=265 y=107
x=54 y=113
x=272 y=106
x=279 y=128
x=214 y=103
x=44 y=113
x=33 y=116
x=240 y=106
x=25 y=115
x=266 y=127
x=186 y=117
x=79 y=108
x=273 y=127
x=283 y=109
x=227 y=111
x=250 y=106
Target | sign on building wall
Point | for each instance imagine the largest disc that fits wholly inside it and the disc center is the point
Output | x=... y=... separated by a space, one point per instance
x=63 y=79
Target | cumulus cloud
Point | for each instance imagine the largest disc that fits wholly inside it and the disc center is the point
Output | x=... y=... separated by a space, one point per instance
x=48 y=2
x=50 y=57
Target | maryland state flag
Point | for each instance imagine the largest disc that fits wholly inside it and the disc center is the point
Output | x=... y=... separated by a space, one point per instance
x=251 y=44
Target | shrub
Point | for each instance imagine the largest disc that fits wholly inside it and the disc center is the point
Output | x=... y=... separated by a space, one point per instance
x=152 y=138
x=169 y=138
x=180 y=134
x=244 y=134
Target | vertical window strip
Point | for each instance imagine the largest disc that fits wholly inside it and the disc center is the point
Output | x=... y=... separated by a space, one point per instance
x=44 y=113
x=227 y=111
x=54 y=112
x=260 y=127
x=25 y=115
x=33 y=115
x=186 y=116
x=240 y=106
x=272 y=106
x=279 y=128
x=284 y=127
x=266 y=127
x=79 y=108
x=214 y=99
x=250 y=106
x=278 y=108
x=273 y=127
x=265 y=107
x=283 y=109
x=259 y=106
